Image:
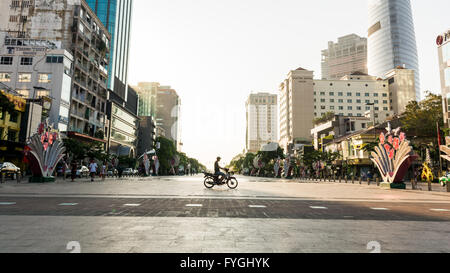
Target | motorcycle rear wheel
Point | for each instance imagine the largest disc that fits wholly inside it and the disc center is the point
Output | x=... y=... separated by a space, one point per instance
x=209 y=183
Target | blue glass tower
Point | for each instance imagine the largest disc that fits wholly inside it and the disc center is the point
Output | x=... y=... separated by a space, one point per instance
x=392 y=39
x=116 y=16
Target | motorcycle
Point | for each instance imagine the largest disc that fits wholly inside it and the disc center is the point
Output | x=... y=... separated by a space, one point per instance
x=212 y=180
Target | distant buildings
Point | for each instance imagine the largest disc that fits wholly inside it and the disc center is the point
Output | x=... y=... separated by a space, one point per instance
x=262 y=120
x=443 y=43
x=391 y=38
x=345 y=57
x=163 y=104
x=302 y=99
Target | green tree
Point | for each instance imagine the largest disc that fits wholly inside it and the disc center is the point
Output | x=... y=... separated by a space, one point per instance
x=420 y=118
x=166 y=152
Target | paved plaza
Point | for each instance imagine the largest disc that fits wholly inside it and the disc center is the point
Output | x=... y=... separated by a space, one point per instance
x=178 y=214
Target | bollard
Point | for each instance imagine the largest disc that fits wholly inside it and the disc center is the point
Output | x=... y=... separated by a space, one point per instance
x=340 y=178
x=353 y=179
x=360 y=180
x=18 y=177
x=368 y=181
x=378 y=181
x=430 y=188
x=3 y=178
x=346 y=179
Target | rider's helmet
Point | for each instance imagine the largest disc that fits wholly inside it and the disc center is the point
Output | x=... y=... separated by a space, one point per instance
x=218 y=158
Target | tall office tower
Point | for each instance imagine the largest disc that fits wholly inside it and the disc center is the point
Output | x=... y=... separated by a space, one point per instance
x=168 y=105
x=296 y=107
x=262 y=112
x=392 y=40
x=147 y=98
x=116 y=16
x=345 y=57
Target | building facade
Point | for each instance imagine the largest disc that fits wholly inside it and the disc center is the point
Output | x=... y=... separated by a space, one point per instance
x=345 y=57
x=303 y=99
x=443 y=43
x=147 y=135
x=168 y=105
x=70 y=25
x=392 y=39
x=36 y=69
x=147 y=92
x=262 y=120
x=116 y=16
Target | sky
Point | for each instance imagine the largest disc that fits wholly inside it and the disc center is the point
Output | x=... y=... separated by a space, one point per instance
x=214 y=53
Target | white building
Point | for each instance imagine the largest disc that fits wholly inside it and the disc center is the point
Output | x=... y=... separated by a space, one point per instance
x=36 y=69
x=262 y=116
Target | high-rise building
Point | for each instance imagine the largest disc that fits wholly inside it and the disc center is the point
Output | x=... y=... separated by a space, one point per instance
x=147 y=92
x=262 y=116
x=345 y=57
x=116 y=16
x=302 y=99
x=443 y=43
x=168 y=105
x=392 y=39
x=70 y=25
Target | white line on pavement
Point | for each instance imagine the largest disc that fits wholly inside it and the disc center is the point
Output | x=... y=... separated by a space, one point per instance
x=7 y=203
x=315 y=207
x=68 y=204
x=257 y=206
x=379 y=209
x=440 y=210
x=132 y=205
x=194 y=205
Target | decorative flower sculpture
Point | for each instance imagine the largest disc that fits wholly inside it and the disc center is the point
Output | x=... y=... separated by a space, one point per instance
x=394 y=157
x=44 y=151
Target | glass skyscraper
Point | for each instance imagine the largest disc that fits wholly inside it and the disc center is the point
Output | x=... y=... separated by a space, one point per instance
x=392 y=40
x=116 y=16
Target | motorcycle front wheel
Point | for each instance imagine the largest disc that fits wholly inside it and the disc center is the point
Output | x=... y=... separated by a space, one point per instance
x=232 y=183
x=209 y=182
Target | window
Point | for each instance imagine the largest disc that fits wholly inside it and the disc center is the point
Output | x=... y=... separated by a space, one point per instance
x=350 y=108
x=385 y=95
x=24 y=77
x=376 y=101
x=349 y=101
x=385 y=109
x=358 y=101
x=6 y=60
x=5 y=77
x=42 y=93
x=322 y=107
x=349 y=94
x=322 y=100
x=26 y=61
x=367 y=101
x=45 y=78
x=14 y=117
x=24 y=92
x=331 y=107
x=322 y=93
x=377 y=108
x=375 y=94
x=363 y=125
x=331 y=93
x=12 y=135
x=367 y=95
x=358 y=94
x=341 y=107
x=59 y=59
x=359 y=108
x=340 y=94
x=341 y=101
x=332 y=100
x=385 y=102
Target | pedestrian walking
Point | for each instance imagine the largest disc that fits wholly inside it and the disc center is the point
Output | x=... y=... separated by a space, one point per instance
x=104 y=170
x=93 y=169
x=73 y=173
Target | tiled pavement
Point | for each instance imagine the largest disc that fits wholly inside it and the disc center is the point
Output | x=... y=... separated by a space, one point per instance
x=179 y=215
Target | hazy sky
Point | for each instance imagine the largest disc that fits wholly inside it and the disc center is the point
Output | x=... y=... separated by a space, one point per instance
x=216 y=52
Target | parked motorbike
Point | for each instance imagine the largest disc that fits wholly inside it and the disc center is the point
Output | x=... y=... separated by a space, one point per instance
x=212 y=180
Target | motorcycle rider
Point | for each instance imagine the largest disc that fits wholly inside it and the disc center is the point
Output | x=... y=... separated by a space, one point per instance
x=217 y=169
